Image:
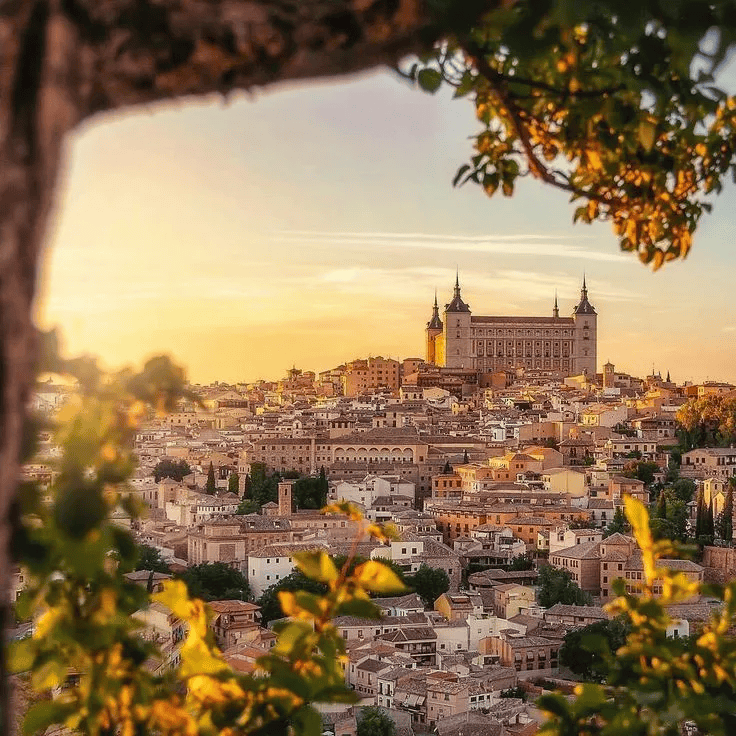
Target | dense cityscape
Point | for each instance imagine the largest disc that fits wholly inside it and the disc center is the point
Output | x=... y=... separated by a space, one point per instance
x=499 y=460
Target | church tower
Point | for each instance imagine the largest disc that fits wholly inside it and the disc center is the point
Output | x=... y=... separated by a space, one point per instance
x=285 y=493
x=585 y=350
x=458 y=342
x=434 y=333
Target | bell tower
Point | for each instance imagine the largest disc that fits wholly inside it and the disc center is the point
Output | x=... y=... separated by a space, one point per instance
x=585 y=345
x=286 y=488
x=458 y=342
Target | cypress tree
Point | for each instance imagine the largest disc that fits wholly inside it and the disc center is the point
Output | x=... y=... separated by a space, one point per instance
x=700 y=516
x=661 y=506
x=466 y=460
x=233 y=483
x=728 y=515
x=211 y=486
x=711 y=529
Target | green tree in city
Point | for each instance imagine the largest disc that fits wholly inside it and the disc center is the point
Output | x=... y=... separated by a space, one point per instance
x=661 y=507
x=520 y=563
x=174 y=469
x=700 y=517
x=215 y=581
x=557 y=586
x=724 y=526
x=149 y=558
x=684 y=489
x=642 y=470
x=233 y=483
x=373 y=721
x=211 y=486
x=587 y=651
x=324 y=483
x=708 y=421
x=618 y=524
x=309 y=492
x=429 y=583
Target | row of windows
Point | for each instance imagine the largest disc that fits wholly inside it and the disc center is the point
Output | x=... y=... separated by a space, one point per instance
x=546 y=333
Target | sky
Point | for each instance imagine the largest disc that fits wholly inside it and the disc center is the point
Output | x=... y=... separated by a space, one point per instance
x=310 y=224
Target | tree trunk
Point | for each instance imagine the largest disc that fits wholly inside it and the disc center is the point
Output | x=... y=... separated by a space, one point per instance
x=64 y=60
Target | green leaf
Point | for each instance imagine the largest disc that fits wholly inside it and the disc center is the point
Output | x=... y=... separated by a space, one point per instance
x=360 y=608
x=429 y=80
x=42 y=715
x=22 y=655
x=460 y=172
x=310 y=721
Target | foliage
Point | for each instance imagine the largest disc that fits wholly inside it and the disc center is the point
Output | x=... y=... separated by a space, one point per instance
x=310 y=492
x=709 y=421
x=557 y=586
x=580 y=524
x=269 y=600
x=654 y=682
x=233 y=483
x=598 y=100
x=520 y=563
x=642 y=470
x=216 y=581
x=429 y=583
x=264 y=487
x=587 y=651
x=211 y=485
x=724 y=527
x=684 y=489
x=167 y=468
x=670 y=516
x=514 y=692
x=373 y=721
x=84 y=606
x=149 y=558
x=618 y=524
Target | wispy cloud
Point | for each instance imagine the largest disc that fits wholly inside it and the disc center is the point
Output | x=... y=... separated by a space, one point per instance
x=415 y=284
x=528 y=244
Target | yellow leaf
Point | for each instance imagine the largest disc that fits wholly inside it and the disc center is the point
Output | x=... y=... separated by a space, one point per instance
x=378 y=577
x=317 y=565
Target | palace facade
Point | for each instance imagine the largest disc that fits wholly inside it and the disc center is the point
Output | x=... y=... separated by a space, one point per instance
x=563 y=345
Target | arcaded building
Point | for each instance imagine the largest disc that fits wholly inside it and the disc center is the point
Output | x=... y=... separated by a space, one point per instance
x=564 y=345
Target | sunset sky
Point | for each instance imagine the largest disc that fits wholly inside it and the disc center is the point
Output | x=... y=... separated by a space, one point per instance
x=311 y=224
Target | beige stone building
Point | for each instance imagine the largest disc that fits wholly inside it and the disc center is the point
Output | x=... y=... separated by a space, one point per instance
x=562 y=345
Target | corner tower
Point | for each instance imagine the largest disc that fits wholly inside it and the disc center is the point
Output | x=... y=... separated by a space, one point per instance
x=434 y=335
x=458 y=342
x=585 y=345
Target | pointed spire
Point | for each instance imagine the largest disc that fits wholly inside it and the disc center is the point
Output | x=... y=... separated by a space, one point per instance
x=556 y=310
x=457 y=304
x=668 y=377
x=584 y=307
x=435 y=323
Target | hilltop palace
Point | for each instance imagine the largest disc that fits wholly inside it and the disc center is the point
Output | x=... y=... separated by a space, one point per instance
x=564 y=345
